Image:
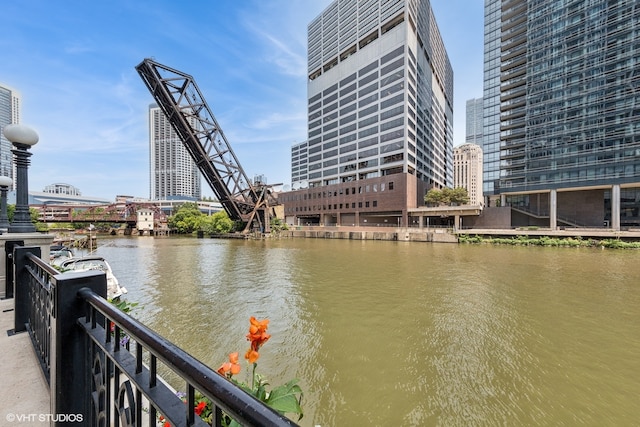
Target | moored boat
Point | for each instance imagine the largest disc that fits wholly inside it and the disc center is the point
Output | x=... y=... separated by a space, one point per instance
x=95 y=262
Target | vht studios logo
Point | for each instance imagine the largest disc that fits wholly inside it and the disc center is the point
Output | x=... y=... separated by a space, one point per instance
x=45 y=418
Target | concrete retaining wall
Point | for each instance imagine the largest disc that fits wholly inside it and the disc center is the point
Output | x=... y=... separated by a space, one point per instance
x=439 y=236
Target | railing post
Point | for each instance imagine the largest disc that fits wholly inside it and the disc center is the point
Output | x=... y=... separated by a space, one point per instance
x=70 y=367
x=21 y=285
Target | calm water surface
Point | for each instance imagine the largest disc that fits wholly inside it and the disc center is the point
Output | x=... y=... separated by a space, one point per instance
x=396 y=333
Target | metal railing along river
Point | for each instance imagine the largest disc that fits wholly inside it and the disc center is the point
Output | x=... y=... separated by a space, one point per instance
x=98 y=377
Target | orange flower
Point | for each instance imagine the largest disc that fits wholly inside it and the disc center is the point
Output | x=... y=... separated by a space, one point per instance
x=252 y=355
x=258 y=333
x=231 y=367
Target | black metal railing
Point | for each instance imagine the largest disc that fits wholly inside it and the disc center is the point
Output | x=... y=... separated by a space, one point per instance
x=102 y=365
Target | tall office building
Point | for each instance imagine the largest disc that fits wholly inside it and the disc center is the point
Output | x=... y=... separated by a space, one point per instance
x=173 y=173
x=380 y=106
x=467 y=167
x=299 y=163
x=474 y=121
x=562 y=101
x=10 y=101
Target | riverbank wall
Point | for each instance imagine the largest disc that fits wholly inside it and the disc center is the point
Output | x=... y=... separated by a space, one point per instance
x=396 y=234
x=446 y=235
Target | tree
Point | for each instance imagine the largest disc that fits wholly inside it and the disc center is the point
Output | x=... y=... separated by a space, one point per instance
x=218 y=223
x=436 y=197
x=447 y=196
x=278 y=225
x=459 y=196
x=187 y=218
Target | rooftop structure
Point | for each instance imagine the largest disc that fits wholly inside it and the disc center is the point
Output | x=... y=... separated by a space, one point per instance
x=61 y=188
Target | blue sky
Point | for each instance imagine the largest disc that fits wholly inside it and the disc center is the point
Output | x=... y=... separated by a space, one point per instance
x=73 y=62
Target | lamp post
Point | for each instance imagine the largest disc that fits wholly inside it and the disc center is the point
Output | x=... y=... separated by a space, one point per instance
x=5 y=183
x=22 y=137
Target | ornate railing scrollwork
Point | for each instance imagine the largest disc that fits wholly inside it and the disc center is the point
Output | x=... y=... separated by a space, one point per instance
x=99 y=392
x=126 y=404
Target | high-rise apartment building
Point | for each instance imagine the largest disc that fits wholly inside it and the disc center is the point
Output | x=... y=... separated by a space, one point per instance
x=491 y=99
x=173 y=173
x=474 y=121
x=562 y=101
x=10 y=101
x=467 y=167
x=380 y=110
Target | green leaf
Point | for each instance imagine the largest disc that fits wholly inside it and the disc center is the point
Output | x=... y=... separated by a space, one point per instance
x=284 y=398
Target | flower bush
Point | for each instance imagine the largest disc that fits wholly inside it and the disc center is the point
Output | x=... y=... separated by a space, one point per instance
x=285 y=399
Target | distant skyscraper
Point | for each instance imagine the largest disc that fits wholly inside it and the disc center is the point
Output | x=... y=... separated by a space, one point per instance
x=474 y=121
x=299 y=161
x=380 y=110
x=467 y=167
x=173 y=171
x=562 y=101
x=10 y=101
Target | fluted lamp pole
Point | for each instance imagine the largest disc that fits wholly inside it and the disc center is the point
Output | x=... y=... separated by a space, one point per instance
x=5 y=183
x=22 y=137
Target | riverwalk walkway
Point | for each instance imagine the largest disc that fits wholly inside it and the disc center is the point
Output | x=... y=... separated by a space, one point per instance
x=24 y=393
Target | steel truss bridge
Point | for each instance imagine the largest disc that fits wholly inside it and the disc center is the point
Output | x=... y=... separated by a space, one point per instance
x=177 y=94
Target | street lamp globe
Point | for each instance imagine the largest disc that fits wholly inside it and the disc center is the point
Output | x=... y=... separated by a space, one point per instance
x=22 y=137
x=20 y=134
x=5 y=181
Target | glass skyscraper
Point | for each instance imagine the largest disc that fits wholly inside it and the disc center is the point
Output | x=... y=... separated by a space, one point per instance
x=9 y=113
x=562 y=102
x=491 y=99
x=474 y=121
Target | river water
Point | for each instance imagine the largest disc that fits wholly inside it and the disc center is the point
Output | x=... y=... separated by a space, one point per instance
x=396 y=333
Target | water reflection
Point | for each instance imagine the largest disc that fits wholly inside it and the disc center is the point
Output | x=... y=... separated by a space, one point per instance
x=384 y=333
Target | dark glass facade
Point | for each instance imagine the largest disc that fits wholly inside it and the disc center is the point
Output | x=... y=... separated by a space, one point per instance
x=569 y=94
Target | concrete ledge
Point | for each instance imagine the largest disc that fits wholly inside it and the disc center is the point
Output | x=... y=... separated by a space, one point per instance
x=369 y=233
